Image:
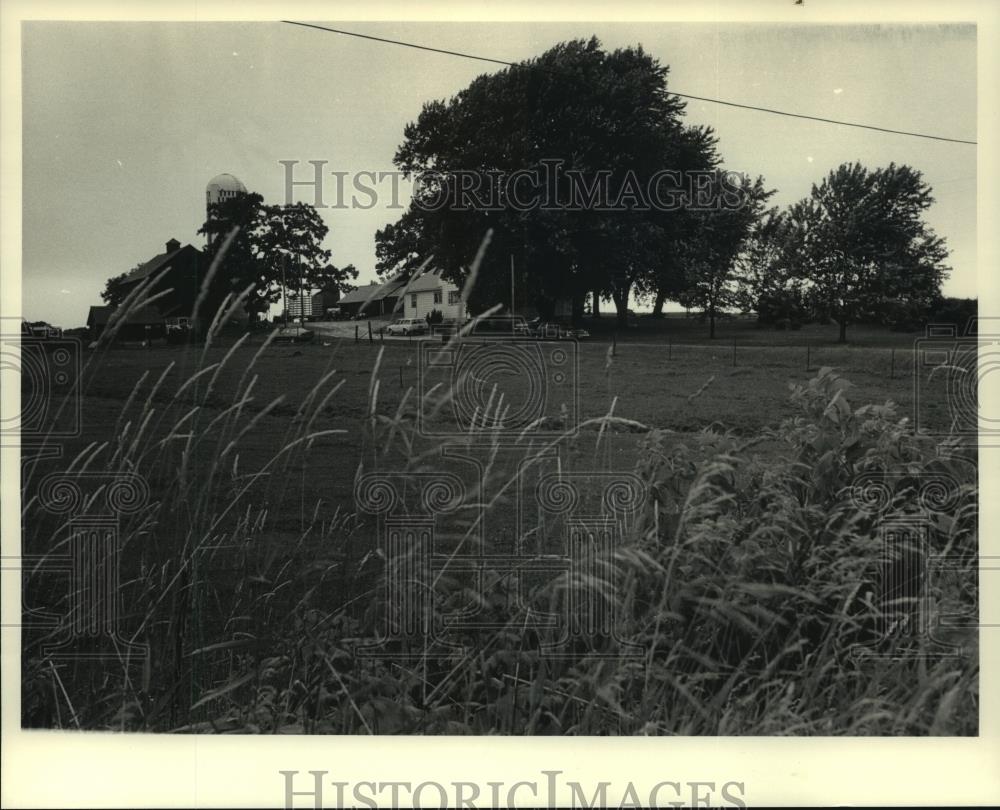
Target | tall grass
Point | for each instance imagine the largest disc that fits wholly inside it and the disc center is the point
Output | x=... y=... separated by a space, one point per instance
x=748 y=588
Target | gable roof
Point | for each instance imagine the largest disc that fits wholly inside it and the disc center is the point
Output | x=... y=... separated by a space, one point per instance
x=154 y=265
x=360 y=295
x=373 y=292
x=98 y=316
x=391 y=287
x=431 y=280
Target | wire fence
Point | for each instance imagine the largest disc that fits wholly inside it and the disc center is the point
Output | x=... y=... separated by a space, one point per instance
x=894 y=361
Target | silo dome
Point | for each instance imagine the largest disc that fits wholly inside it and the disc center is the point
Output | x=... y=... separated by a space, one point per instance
x=226 y=183
x=221 y=188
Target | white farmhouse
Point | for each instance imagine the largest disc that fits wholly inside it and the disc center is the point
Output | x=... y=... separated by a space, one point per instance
x=430 y=292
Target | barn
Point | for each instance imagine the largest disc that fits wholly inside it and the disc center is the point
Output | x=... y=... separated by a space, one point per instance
x=180 y=269
x=143 y=323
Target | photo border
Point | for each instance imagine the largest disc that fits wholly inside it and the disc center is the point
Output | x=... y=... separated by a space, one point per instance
x=56 y=768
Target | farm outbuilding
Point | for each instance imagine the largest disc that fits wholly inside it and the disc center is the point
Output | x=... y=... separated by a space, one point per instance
x=143 y=323
x=373 y=299
x=180 y=269
x=312 y=306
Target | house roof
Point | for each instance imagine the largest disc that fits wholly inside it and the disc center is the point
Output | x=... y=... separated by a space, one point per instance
x=431 y=280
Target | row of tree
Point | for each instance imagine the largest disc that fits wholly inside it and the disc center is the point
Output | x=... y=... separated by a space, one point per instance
x=853 y=249
x=857 y=248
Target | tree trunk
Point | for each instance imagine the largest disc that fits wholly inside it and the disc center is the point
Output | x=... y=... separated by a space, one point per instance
x=661 y=298
x=621 y=309
x=620 y=298
x=595 y=308
x=843 y=331
x=711 y=323
x=578 y=302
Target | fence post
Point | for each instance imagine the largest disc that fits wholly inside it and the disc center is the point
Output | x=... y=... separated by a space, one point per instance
x=808 y=352
x=355 y=333
x=734 y=352
x=614 y=344
x=370 y=339
x=670 y=349
x=892 y=364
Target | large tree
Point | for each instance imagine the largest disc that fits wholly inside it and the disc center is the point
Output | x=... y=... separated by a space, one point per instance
x=596 y=126
x=715 y=241
x=859 y=243
x=115 y=290
x=401 y=246
x=290 y=239
x=274 y=245
x=760 y=270
x=242 y=262
x=667 y=277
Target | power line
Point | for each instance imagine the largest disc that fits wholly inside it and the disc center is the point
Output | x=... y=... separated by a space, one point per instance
x=670 y=92
x=825 y=120
x=398 y=42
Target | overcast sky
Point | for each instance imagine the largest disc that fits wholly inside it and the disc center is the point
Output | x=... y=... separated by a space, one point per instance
x=124 y=123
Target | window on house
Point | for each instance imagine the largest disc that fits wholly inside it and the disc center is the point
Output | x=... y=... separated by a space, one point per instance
x=413 y=301
x=437 y=297
x=454 y=297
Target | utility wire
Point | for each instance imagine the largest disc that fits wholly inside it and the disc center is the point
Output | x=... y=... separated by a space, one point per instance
x=398 y=42
x=670 y=92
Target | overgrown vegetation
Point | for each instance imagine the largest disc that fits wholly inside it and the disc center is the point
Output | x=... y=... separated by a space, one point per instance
x=753 y=579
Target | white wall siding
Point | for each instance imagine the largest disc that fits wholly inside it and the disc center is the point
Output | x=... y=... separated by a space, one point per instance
x=421 y=304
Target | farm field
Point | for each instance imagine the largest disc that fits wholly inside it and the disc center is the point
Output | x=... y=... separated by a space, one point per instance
x=520 y=378
x=680 y=328
x=254 y=533
x=655 y=384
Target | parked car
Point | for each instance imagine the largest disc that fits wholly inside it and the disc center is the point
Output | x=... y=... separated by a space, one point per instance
x=496 y=326
x=294 y=334
x=40 y=329
x=408 y=326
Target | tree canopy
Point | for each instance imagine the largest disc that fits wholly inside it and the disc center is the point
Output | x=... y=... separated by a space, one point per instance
x=115 y=290
x=275 y=244
x=580 y=163
x=557 y=155
x=859 y=242
x=713 y=244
